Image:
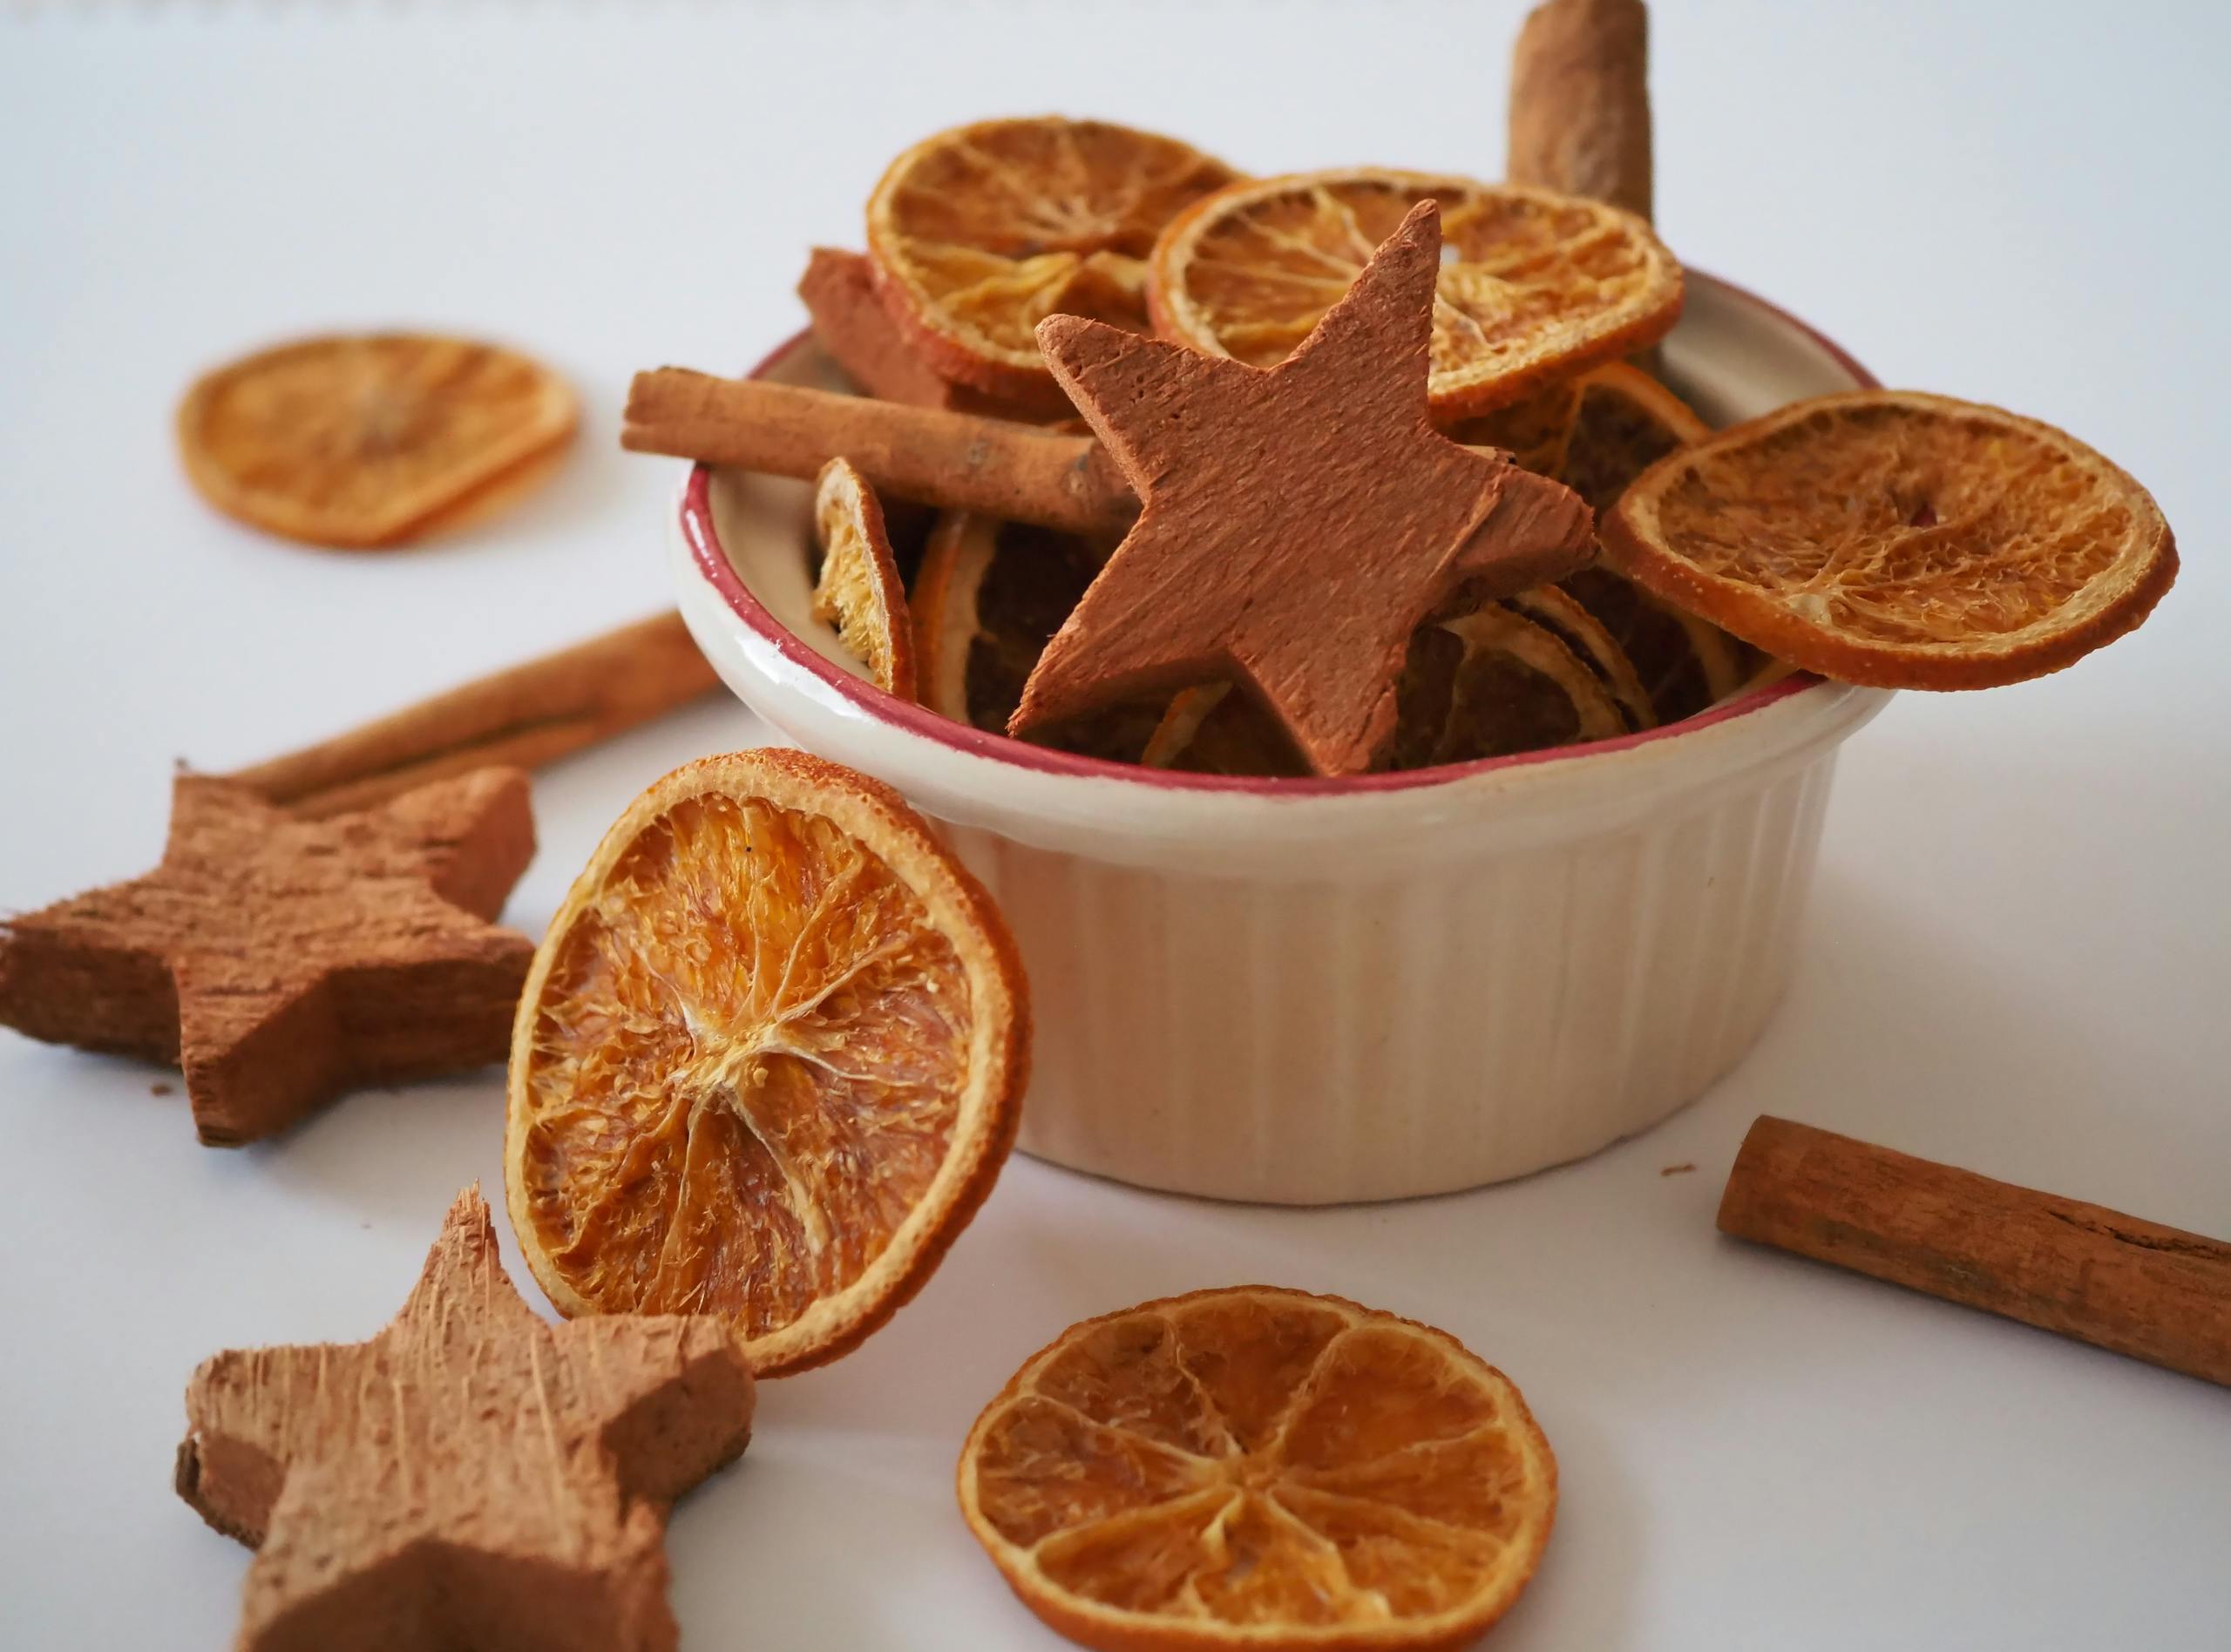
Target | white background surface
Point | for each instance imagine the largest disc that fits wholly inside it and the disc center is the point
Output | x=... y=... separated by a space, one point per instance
x=2017 y=956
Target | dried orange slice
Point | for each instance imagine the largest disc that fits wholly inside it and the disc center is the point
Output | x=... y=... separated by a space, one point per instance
x=768 y=1061
x=1899 y=540
x=858 y=590
x=1683 y=664
x=1563 y=618
x=1534 y=286
x=1625 y=421
x=1258 y=1467
x=367 y=440
x=1487 y=682
x=980 y=232
x=1536 y=432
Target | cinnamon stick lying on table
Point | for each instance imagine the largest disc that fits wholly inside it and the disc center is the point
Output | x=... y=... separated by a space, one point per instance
x=2117 y=1282
x=525 y=716
x=956 y=461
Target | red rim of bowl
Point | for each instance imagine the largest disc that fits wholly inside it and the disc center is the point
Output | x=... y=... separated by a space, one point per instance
x=697 y=527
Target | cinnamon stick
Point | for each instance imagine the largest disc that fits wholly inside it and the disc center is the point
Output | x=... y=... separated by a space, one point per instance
x=522 y=717
x=956 y=461
x=1580 y=102
x=2117 y=1281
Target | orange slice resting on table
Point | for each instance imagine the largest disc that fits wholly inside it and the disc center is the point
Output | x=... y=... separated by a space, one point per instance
x=768 y=1062
x=857 y=590
x=980 y=232
x=366 y=440
x=1258 y=1467
x=1534 y=286
x=1899 y=539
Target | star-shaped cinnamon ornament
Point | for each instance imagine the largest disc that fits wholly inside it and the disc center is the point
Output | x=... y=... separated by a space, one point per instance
x=1299 y=522
x=472 y=1477
x=280 y=961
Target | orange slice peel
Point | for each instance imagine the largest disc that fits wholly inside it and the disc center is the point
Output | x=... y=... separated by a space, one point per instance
x=1899 y=539
x=1534 y=287
x=768 y=1062
x=1260 y=1467
x=363 y=441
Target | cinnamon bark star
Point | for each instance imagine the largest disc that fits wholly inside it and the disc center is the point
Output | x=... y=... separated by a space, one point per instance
x=1299 y=522
x=279 y=961
x=470 y=1477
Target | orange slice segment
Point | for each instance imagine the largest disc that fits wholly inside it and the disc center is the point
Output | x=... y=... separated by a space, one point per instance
x=1534 y=286
x=858 y=590
x=768 y=1061
x=360 y=441
x=1259 y=1467
x=1899 y=540
x=980 y=232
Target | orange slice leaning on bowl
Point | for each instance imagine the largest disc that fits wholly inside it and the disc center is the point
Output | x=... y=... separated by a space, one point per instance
x=1534 y=287
x=361 y=441
x=768 y=1062
x=1899 y=539
x=857 y=590
x=1259 y=1467
x=980 y=232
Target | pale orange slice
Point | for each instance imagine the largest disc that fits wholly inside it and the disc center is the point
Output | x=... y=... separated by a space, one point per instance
x=361 y=441
x=768 y=1062
x=858 y=590
x=980 y=232
x=1534 y=287
x=1899 y=539
x=1254 y=1467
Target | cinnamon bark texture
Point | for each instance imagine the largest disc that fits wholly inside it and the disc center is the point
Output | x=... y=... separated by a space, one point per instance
x=470 y=1477
x=280 y=961
x=1301 y=521
x=2117 y=1281
x=525 y=716
x=955 y=461
x=1580 y=102
x=851 y=322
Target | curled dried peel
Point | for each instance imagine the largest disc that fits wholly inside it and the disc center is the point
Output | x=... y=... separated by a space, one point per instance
x=980 y=232
x=768 y=1062
x=362 y=441
x=1254 y=1466
x=1534 y=286
x=858 y=590
x=1899 y=539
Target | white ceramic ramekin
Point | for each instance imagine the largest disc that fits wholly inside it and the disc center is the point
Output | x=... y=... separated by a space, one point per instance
x=1309 y=992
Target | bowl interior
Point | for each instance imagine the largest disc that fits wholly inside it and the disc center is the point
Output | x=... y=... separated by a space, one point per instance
x=1733 y=356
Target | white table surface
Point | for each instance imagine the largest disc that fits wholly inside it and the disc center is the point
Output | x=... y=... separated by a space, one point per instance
x=2017 y=954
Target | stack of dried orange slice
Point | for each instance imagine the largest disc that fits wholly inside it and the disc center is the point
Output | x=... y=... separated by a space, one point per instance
x=976 y=235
